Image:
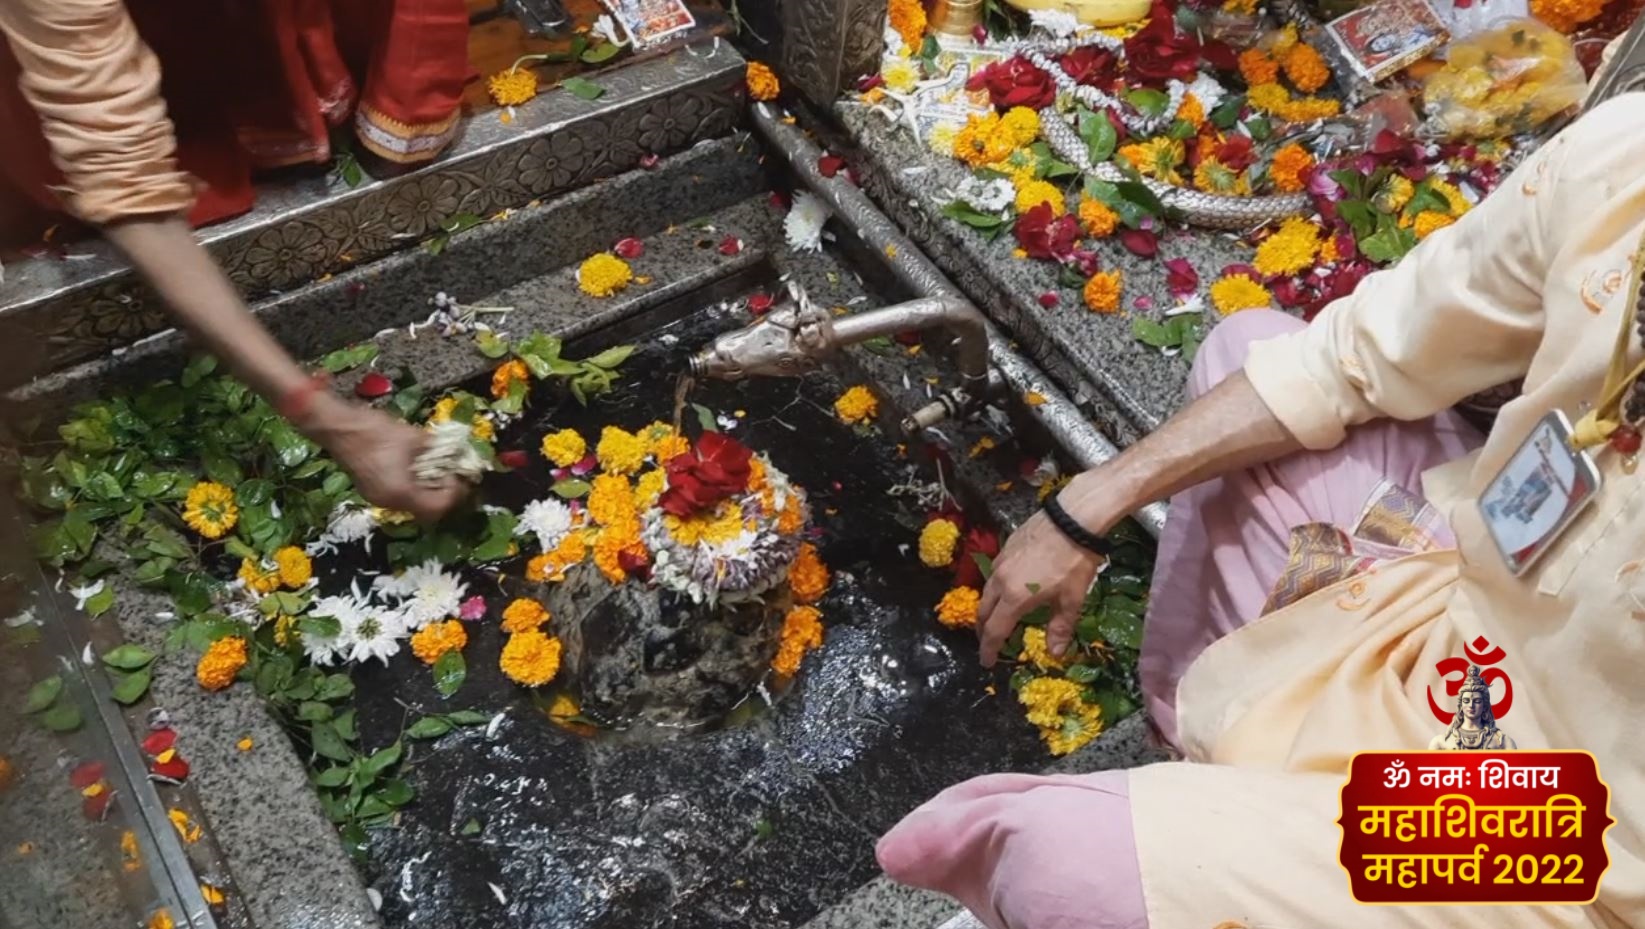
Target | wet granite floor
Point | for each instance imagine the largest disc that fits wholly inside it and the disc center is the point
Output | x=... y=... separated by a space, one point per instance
x=759 y=824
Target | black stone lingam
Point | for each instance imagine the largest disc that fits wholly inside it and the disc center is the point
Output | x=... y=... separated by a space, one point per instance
x=643 y=655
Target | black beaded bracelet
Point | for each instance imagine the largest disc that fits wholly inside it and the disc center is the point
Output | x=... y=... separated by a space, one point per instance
x=1071 y=528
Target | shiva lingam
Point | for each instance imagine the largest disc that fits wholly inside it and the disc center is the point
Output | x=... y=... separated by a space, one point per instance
x=797 y=337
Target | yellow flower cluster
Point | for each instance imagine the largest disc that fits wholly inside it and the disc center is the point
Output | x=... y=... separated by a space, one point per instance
x=808 y=576
x=1429 y=222
x=1157 y=158
x=1057 y=707
x=802 y=632
x=988 y=139
x=512 y=87
x=294 y=565
x=717 y=526
x=900 y=74
x=286 y=633
x=1257 y=67
x=531 y=658
x=435 y=639
x=221 y=662
x=614 y=542
x=507 y=375
x=1277 y=101
x=620 y=451
x=257 y=577
x=1289 y=251
x=941 y=139
x=1290 y=167
x=523 y=615
x=1037 y=653
x=210 y=510
x=564 y=448
x=1103 y=290
x=611 y=501
x=552 y=566
x=603 y=275
x=938 y=540
x=1033 y=193
x=958 y=608
x=1192 y=111
x=856 y=405
x=1097 y=218
x=663 y=443
x=762 y=81
x=1238 y=292
x=1393 y=193
x=649 y=488
x=1212 y=176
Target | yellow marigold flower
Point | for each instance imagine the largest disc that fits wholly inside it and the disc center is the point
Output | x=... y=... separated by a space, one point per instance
x=762 y=81
x=604 y=274
x=565 y=448
x=1192 y=111
x=941 y=139
x=900 y=75
x=221 y=662
x=1290 y=250
x=1268 y=97
x=1034 y=193
x=161 y=919
x=1020 y=126
x=1037 y=653
x=1047 y=699
x=130 y=856
x=210 y=509
x=723 y=524
x=1257 y=68
x=971 y=143
x=435 y=639
x=1429 y=222
x=286 y=632
x=1238 y=292
x=1453 y=196
x=802 y=632
x=1240 y=7
x=1393 y=194
x=444 y=407
x=792 y=517
x=1308 y=109
x=1215 y=177
x=1102 y=292
x=1077 y=729
x=958 y=608
x=294 y=565
x=512 y=87
x=1097 y=219
x=937 y=543
x=523 y=615
x=856 y=405
x=907 y=19
x=212 y=895
x=663 y=443
x=613 y=542
x=611 y=500
x=620 y=451
x=649 y=488
x=808 y=576
x=552 y=566
x=531 y=658
x=1328 y=251
x=1157 y=158
x=1305 y=68
x=257 y=577
x=506 y=375
x=1289 y=170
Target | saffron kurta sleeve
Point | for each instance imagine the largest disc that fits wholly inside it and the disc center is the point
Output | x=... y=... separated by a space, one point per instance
x=96 y=87
x=1460 y=314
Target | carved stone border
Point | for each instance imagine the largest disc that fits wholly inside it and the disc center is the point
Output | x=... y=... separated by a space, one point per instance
x=556 y=143
x=827 y=44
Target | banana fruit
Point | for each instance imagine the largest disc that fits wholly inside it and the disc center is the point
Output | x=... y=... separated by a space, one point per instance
x=1098 y=13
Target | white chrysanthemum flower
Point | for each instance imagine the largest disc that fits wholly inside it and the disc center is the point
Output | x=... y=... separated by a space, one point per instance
x=549 y=520
x=986 y=196
x=429 y=593
x=1059 y=23
x=350 y=522
x=375 y=634
x=450 y=451
x=1208 y=92
x=1193 y=303
x=347 y=610
x=804 y=224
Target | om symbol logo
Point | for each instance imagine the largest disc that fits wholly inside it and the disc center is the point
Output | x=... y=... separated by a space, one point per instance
x=1455 y=670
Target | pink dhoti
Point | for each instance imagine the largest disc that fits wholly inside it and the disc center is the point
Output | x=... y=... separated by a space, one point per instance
x=1033 y=852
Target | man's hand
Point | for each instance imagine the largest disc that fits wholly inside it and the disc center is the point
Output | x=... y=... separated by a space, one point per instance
x=378 y=450
x=1038 y=567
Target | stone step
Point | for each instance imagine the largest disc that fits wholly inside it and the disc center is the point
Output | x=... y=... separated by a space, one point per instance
x=310 y=227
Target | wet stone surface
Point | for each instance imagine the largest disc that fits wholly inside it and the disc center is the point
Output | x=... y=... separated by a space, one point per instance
x=761 y=822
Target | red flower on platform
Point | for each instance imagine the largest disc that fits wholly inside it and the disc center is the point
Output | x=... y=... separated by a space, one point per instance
x=1015 y=83
x=716 y=468
x=1092 y=66
x=1045 y=236
x=977 y=541
x=1159 y=53
x=1237 y=152
x=1180 y=277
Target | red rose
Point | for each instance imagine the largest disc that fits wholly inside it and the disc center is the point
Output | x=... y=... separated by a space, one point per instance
x=1047 y=237
x=1159 y=53
x=715 y=468
x=1015 y=83
x=1180 y=277
x=1237 y=152
x=1220 y=55
x=1092 y=66
x=1140 y=242
x=978 y=541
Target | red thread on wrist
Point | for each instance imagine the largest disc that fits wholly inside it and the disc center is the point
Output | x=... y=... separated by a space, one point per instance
x=298 y=400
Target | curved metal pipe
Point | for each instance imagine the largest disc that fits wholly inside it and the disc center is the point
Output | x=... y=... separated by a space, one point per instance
x=1084 y=443
x=947 y=311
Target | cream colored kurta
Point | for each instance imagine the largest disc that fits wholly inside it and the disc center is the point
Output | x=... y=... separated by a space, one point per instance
x=1531 y=283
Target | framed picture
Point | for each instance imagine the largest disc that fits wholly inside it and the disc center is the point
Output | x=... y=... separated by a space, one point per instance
x=1383 y=38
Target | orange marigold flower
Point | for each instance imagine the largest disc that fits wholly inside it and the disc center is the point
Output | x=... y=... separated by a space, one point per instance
x=221 y=662
x=802 y=632
x=907 y=19
x=958 y=607
x=1097 y=218
x=792 y=518
x=1566 y=15
x=1306 y=68
x=1429 y=222
x=858 y=404
x=512 y=87
x=1102 y=291
x=808 y=576
x=1257 y=68
x=552 y=566
x=614 y=542
x=611 y=500
x=1290 y=168
x=506 y=375
x=435 y=639
x=762 y=81
x=531 y=658
x=1192 y=111
x=523 y=615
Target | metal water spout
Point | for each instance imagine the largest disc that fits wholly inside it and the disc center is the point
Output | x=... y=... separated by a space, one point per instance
x=796 y=337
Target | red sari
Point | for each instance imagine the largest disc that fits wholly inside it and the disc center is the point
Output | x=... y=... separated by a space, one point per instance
x=257 y=85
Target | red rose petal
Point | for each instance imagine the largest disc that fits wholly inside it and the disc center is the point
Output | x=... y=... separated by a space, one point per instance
x=514 y=459
x=1140 y=242
x=868 y=82
x=830 y=165
x=86 y=774
x=174 y=770
x=760 y=304
x=780 y=201
x=1050 y=299
x=629 y=248
x=159 y=740
x=649 y=160
x=375 y=384
x=1181 y=278
x=731 y=245
x=979 y=34
x=96 y=808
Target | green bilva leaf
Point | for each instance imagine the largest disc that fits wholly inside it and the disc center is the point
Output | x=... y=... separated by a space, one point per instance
x=985 y=564
x=450 y=670
x=1099 y=135
x=605 y=51
x=469 y=718
x=611 y=357
x=130 y=688
x=329 y=744
x=384 y=759
x=1081 y=674
x=197 y=369
x=43 y=695
x=396 y=793
x=491 y=344
x=429 y=727
x=65 y=717
x=472 y=827
x=705 y=418
x=128 y=657
x=323 y=626
x=99 y=603
x=582 y=88
x=353 y=356
x=1151 y=102
x=572 y=489
x=331 y=777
